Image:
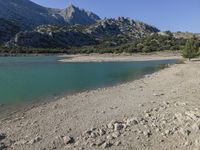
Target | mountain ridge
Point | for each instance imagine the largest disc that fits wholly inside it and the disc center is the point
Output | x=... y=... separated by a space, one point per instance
x=108 y=32
x=26 y=25
x=29 y=14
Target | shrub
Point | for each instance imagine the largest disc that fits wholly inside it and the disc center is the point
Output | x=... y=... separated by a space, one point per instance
x=191 y=49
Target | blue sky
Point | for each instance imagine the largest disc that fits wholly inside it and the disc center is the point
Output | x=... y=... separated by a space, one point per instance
x=174 y=15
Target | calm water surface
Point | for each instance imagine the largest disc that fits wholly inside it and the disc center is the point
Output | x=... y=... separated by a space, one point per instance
x=25 y=79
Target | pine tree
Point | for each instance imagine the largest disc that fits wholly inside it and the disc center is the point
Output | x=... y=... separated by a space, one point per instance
x=191 y=50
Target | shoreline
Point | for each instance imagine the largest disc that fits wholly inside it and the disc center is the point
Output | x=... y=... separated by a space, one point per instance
x=49 y=99
x=154 y=112
x=119 y=57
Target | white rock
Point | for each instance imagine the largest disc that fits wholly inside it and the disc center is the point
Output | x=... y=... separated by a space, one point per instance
x=93 y=135
x=117 y=143
x=116 y=134
x=133 y=121
x=111 y=124
x=20 y=142
x=196 y=127
x=197 y=142
x=147 y=115
x=68 y=140
x=106 y=145
x=147 y=133
x=192 y=115
x=102 y=132
x=118 y=126
x=109 y=137
x=185 y=132
x=37 y=139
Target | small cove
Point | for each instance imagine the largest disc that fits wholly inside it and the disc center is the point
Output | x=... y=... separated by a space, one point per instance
x=34 y=79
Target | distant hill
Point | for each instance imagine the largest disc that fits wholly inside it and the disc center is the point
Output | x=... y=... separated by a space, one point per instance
x=186 y=35
x=108 y=32
x=28 y=14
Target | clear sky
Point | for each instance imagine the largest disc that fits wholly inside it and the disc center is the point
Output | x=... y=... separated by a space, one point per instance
x=174 y=15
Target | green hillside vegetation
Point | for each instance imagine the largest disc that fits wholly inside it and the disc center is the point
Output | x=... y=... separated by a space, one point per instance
x=152 y=43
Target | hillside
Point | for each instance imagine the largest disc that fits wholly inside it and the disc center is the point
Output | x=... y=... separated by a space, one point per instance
x=16 y=10
x=75 y=30
x=108 y=32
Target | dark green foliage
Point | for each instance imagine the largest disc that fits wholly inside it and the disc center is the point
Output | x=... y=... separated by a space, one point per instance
x=148 y=44
x=155 y=42
x=191 y=49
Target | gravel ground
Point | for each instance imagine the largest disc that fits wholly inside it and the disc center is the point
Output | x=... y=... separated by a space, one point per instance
x=159 y=111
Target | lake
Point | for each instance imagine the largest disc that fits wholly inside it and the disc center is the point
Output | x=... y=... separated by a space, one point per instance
x=25 y=79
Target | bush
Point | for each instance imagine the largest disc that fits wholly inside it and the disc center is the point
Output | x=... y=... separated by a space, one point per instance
x=191 y=49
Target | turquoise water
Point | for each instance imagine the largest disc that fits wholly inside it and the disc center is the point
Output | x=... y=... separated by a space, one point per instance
x=25 y=79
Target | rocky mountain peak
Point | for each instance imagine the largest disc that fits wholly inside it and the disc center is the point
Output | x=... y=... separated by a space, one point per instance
x=75 y=15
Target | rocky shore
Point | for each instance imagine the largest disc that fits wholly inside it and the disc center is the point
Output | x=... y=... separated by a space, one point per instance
x=120 y=57
x=160 y=111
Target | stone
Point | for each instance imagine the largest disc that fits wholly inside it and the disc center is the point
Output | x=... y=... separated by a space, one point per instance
x=93 y=135
x=133 y=121
x=2 y=136
x=100 y=142
x=155 y=109
x=147 y=133
x=111 y=124
x=68 y=140
x=185 y=132
x=93 y=129
x=88 y=132
x=2 y=146
x=161 y=140
x=92 y=144
x=118 y=126
x=141 y=105
x=106 y=145
x=174 y=129
x=168 y=132
x=187 y=143
x=20 y=142
x=117 y=143
x=157 y=129
x=116 y=134
x=192 y=115
x=109 y=137
x=196 y=127
x=197 y=142
x=35 y=140
x=165 y=103
x=102 y=132
x=55 y=106
x=147 y=115
x=143 y=121
x=179 y=117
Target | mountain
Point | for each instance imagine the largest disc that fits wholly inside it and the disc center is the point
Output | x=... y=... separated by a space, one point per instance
x=8 y=29
x=27 y=24
x=48 y=36
x=186 y=35
x=120 y=30
x=28 y=14
x=73 y=15
x=110 y=32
